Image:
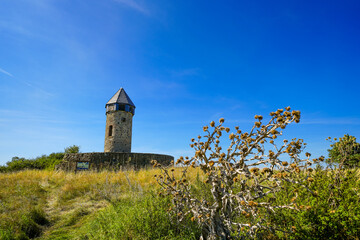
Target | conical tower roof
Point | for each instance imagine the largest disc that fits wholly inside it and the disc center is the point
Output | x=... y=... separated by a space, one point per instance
x=120 y=97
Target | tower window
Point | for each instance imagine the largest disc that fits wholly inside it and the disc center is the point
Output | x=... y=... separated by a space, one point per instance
x=121 y=107
x=110 y=130
x=123 y=119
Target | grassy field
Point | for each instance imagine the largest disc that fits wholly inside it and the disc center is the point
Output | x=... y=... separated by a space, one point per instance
x=39 y=204
x=59 y=205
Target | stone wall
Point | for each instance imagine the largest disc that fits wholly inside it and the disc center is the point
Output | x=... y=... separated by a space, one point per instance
x=112 y=161
x=120 y=139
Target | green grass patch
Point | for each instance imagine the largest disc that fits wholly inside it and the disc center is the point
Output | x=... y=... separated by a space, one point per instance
x=140 y=217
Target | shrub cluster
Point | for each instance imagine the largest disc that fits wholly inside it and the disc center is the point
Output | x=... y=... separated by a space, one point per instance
x=334 y=213
x=42 y=162
x=344 y=151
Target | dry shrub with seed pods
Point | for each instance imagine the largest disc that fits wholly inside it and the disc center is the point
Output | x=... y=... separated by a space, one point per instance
x=241 y=179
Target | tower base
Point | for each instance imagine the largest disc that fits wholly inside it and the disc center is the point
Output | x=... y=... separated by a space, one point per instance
x=97 y=161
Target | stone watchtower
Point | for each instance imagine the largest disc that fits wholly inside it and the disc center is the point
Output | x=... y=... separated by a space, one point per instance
x=117 y=153
x=119 y=113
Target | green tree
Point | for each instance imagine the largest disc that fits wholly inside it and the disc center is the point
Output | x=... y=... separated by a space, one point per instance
x=344 y=151
x=72 y=149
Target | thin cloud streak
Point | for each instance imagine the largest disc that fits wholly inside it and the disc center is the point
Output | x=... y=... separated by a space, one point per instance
x=27 y=83
x=38 y=89
x=332 y=121
x=134 y=5
x=186 y=72
x=5 y=72
x=11 y=116
x=22 y=29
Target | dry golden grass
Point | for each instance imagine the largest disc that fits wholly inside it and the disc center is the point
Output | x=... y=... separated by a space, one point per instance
x=63 y=195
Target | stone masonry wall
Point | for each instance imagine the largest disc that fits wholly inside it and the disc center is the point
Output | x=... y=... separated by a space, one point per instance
x=112 y=161
x=121 y=123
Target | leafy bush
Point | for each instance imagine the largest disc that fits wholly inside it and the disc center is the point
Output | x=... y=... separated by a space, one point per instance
x=72 y=149
x=333 y=214
x=43 y=162
x=345 y=150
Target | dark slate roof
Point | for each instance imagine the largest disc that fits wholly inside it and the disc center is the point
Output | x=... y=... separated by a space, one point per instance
x=120 y=97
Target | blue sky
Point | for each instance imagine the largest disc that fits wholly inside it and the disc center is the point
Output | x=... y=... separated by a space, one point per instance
x=183 y=63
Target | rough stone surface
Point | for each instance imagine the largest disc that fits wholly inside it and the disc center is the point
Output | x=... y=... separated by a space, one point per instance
x=112 y=161
x=120 y=139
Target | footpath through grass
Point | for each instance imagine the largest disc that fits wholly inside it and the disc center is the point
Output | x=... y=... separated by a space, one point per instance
x=58 y=205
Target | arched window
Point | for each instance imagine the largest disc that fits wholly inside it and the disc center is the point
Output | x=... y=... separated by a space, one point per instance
x=110 y=130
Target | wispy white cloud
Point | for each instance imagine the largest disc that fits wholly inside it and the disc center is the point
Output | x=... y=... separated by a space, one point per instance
x=23 y=29
x=156 y=88
x=46 y=27
x=11 y=116
x=5 y=72
x=314 y=121
x=186 y=151
x=39 y=90
x=134 y=5
x=15 y=28
x=332 y=121
x=186 y=72
x=18 y=116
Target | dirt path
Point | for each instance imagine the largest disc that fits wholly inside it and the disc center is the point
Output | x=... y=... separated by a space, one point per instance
x=66 y=217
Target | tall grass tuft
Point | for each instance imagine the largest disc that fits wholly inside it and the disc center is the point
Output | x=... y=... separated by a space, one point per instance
x=143 y=217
